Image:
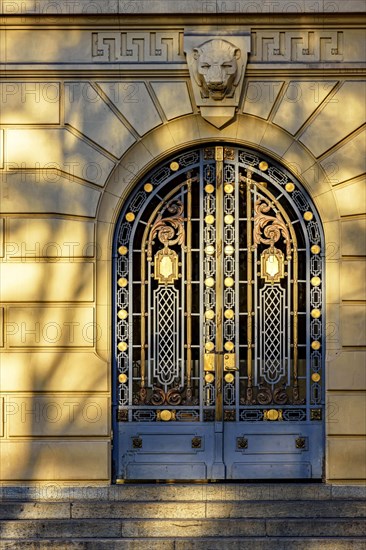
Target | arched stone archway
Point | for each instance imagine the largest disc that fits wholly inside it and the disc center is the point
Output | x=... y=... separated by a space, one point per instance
x=140 y=157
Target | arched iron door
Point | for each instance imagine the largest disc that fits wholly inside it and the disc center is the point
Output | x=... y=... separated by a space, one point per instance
x=218 y=322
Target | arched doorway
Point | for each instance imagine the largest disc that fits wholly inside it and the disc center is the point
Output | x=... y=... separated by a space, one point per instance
x=218 y=322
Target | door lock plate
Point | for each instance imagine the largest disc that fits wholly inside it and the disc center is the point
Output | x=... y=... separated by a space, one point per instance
x=209 y=362
x=229 y=362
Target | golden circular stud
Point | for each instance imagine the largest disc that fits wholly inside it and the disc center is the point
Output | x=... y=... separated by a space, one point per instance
x=209 y=346
x=229 y=346
x=122 y=378
x=228 y=188
x=315 y=345
x=229 y=314
x=210 y=219
x=122 y=314
x=174 y=166
x=210 y=249
x=130 y=216
x=209 y=188
x=229 y=250
x=123 y=250
x=166 y=415
x=210 y=282
x=122 y=346
x=272 y=414
x=209 y=378
x=289 y=187
x=210 y=314
x=263 y=166
x=308 y=216
x=315 y=249
x=229 y=378
x=148 y=187
x=315 y=313
x=315 y=377
x=122 y=282
x=315 y=281
x=229 y=219
x=229 y=281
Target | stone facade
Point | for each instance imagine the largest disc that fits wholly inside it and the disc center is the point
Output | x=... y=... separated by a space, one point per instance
x=93 y=95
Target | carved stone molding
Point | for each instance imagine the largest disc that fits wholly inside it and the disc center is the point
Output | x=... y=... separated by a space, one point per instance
x=138 y=46
x=296 y=45
x=217 y=65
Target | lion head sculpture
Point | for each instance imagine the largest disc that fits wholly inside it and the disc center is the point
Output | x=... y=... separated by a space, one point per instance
x=216 y=70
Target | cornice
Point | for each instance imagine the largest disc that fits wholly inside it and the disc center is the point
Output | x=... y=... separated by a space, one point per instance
x=210 y=21
x=185 y=7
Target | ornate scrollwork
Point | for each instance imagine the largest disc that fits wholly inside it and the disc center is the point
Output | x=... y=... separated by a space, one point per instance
x=296 y=396
x=171 y=397
x=140 y=399
x=170 y=230
x=280 y=396
x=272 y=227
x=158 y=397
x=264 y=396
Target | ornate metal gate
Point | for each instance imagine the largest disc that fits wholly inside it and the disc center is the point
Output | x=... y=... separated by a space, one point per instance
x=218 y=322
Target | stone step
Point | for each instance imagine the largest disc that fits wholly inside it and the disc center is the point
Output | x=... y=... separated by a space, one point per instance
x=256 y=543
x=179 y=528
x=189 y=492
x=183 y=509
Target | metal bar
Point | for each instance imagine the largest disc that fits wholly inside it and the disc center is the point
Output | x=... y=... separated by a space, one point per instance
x=249 y=396
x=219 y=158
x=143 y=321
x=295 y=321
x=237 y=291
x=189 y=288
x=201 y=290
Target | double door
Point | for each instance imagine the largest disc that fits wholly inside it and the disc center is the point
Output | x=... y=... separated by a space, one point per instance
x=218 y=319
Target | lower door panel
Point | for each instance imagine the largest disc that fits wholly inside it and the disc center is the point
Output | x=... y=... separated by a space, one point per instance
x=167 y=451
x=273 y=451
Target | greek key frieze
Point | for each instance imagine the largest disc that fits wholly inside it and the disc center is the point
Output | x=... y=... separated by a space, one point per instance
x=138 y=47
x=296 y=46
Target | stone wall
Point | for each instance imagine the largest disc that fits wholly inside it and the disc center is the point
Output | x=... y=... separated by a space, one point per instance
x=89 y=103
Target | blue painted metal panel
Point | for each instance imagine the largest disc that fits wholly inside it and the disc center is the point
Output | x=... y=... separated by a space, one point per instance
x=168 y=451
x=271 y=450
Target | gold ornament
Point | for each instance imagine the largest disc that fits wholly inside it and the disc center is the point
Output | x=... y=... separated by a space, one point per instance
x=130 y=216
x=308 y=216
